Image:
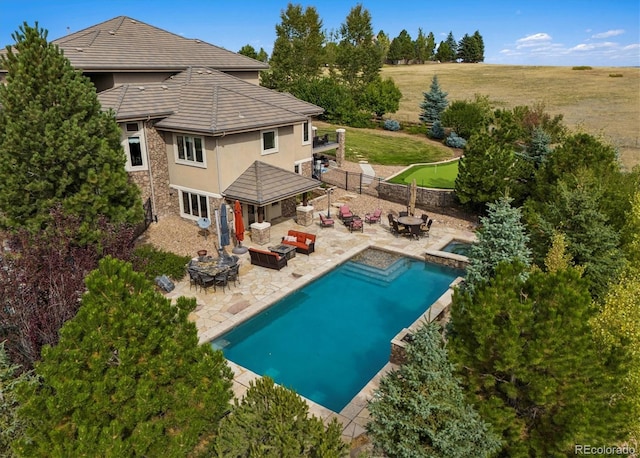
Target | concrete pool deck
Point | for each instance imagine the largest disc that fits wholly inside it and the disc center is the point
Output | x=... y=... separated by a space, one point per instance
x=218 y=312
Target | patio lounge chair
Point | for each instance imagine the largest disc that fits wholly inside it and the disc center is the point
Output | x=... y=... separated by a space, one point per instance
x=325 y=222
x=345 y=212
x=356 y=225
x=373 y=217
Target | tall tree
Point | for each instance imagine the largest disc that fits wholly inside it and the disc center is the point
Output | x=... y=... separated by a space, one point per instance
x=445 y=53
x=127 y=378
x=420 y=45
x=452 y=44
x=501 y=238
x=358 y=58
x=419 y=409
x=431 y=46
x=434 y=103
x=272 y=420
x=298 y=50
x=56 y=144
x=402 y=48
x=530 y=366
x=250 y=51
x=383 y=42
x=479 y=46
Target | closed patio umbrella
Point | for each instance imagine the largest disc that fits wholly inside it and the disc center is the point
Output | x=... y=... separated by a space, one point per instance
x=239 y=227
x=224 y=226
x=412 y=197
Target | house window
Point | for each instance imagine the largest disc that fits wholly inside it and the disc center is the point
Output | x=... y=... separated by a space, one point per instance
x=133 y=145
x=306 y=137
x=194 y=205
x=296 y=168
x=269 y=141
x=190 y=150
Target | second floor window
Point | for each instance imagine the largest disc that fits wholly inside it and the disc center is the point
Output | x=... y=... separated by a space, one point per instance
x=190 y=149
x=134 y=146
x=269 y=141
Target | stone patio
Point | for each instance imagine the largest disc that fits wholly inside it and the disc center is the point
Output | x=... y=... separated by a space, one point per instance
x=217 y=312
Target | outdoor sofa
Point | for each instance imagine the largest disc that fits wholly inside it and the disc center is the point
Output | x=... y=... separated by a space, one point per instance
x=267 y=259
x=304 y=242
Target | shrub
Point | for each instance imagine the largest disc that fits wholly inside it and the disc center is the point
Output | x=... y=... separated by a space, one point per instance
x=391 y=124
x=582 y=67
x=436 y=131
x=415 y=129
x=615 y=75
x=153 y=262
x=454 y=141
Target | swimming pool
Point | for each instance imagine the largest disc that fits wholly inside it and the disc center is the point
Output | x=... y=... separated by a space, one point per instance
x=328 y=339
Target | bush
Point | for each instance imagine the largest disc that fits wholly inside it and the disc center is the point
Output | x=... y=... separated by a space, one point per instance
x=436 y=131
x=615 y=75
x=153 y=262
x=391 y=124
x=454 y=141
x=415 y=129
x=582 y=67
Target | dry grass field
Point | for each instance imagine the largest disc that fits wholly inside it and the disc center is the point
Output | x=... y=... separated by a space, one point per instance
x=590 y=100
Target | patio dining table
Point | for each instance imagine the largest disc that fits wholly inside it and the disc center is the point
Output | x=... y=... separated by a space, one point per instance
x=209 y=266
x=410 y=221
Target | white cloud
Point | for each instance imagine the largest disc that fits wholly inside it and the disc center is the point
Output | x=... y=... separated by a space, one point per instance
x=592 y=46
x=609 y=33
x=533 y=41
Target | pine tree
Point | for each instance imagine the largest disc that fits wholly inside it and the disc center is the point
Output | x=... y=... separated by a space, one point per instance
x=272 y=420
x=420 y=46
x=530 y=366
x=56 y=144
x=383 y=43
x=419 y=409
x=358 y=58
x=444 y=52
x=479 y=47
x=431 y=46
x=501 y=238
x=249 y=51
x=435 y=102
x=297 y=52
x=127 y=378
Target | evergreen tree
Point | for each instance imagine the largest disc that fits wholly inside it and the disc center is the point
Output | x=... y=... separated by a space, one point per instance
x=358 y=58
x=434 y=103
x=262 y=55
x=419 y=409
x=466 y=51
x=127 y=378
x=11 y=426
x=297 y=52
x=452 y=44
x=538 y=147
x=402 y=47
x=445 y=53
x=271 y=421
x=479 y=47
x=501 y=238
x=421 y=51
x=249 y=51
x=56 y=144
x=530 y=366
x=383 y=42
x=431 y=46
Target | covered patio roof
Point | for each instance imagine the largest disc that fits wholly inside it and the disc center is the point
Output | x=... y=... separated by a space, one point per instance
x=262 y=184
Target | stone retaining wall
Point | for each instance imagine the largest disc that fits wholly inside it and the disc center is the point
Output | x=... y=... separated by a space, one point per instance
x=426 y=198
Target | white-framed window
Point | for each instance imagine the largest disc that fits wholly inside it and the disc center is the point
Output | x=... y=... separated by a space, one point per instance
x=269 y=141
x=306 y=133
x=193 y=205
x=190 y=150
x=134 y=146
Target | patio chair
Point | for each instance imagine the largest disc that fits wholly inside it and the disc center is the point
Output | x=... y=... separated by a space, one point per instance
x=194 y=278
x=206 y=281
x=399 y=230
x=414 y=230
x=325 y=222
x=345 y=212
x=221 y=279
x=373 y=217
x=424 y=217
x=233 y=274
x=356 y=225
x=426 y=228
x=403 y=214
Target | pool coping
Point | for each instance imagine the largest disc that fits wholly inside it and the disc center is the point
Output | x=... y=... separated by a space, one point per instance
x=354 y=416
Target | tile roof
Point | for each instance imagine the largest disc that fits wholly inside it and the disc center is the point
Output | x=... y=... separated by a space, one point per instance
x=207 y=101
x=262 y=184
x=123 y=43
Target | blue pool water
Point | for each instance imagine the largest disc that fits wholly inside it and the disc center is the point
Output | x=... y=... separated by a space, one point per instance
x=328 y=339
x=457 y=247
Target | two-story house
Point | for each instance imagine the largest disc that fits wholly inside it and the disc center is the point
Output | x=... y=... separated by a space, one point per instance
x=196 y=125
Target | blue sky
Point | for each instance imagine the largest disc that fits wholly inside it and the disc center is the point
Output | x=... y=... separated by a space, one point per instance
x=560 y=32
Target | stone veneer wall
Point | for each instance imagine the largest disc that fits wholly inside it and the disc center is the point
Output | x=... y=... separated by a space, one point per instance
x=165 y=201
x=306 y=169
x=426 y=198
x=288 y=207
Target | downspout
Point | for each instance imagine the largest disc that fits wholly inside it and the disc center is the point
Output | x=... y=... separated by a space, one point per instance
x=218 y=165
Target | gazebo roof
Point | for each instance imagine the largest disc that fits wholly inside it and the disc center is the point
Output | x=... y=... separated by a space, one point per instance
x=261 y=184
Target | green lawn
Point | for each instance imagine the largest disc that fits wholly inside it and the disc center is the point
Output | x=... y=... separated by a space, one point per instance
x=387 y=148
x=442 y=176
